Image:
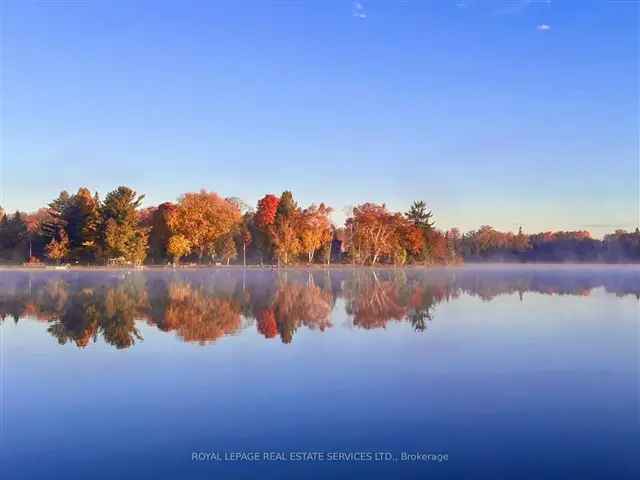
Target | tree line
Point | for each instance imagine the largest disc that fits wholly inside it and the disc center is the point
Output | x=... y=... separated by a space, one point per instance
x=203 y=227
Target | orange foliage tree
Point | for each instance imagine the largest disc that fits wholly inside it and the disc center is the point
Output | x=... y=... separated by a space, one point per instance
x=203 y=218
x=375 y=232
x=284 y=232
x=315 y=229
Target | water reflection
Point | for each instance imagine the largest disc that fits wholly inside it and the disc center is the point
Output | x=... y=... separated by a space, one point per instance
x=203 y=305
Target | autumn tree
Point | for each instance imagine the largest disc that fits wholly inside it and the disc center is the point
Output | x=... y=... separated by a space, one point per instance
x=263 y=222
x=438 y=246
x=266 y=212
x=411 y=241
x=121 y=234
x=239 y=204
x=203 y=218
x=58 y=249
x=177 y=247
x=284 y=231
x=315 y=229
x=35 y=235
x=243 y=234
x=226 y=248
x=454 y=241
x=375 y=231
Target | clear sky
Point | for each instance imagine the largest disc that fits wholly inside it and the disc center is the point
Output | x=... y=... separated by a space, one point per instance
x=505 y=113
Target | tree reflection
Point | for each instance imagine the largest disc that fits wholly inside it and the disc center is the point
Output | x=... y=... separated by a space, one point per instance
x=90 y=312
x=79 y=321
x=374 y=299
x=293 y=305
x=203 y=306
x=198 y=316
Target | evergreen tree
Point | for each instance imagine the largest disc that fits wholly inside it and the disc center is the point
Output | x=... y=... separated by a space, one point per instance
x=121 y=235
x=420 y=215
x=421 y=218
x=161 y=232
x=287 y=206
x=82 y=218
x=284 y=232
x=56 y=221
x=13 y=235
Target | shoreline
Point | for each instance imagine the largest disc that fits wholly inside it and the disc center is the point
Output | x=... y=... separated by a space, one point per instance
x=318 y=267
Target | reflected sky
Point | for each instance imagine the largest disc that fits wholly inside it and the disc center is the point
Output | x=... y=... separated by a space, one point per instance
x=514 y=372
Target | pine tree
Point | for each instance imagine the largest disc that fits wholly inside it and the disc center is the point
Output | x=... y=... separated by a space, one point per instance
x=82 y=220
x=287 y=206
x=285 y=231
x=121 y=235
x=13 y=235
x=56 y=221
x=420 y=216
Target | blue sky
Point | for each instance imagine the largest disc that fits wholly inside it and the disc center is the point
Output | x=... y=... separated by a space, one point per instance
x=505 y=113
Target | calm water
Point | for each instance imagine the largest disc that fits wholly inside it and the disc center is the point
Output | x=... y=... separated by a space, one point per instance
x=515 y=372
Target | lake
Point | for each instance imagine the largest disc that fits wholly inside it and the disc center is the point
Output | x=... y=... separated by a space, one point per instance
x=472 y=372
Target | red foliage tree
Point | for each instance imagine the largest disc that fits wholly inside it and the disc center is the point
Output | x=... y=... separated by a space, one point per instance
x=266 y=213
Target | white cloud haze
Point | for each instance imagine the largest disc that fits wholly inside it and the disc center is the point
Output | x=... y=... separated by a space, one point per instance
x=358 y=10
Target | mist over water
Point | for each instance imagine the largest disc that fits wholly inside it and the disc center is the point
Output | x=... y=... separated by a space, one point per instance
x=508 y=370
x=204 y=305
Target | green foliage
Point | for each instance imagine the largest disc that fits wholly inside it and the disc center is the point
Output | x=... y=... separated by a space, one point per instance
x=13 y=235
x=284 y=232
x=122 y=236
x=287 y=206
x=420 y=215
x=82 y=218
x=79 y=217
x=422 y=218
x=121 y=205
x=56 y=221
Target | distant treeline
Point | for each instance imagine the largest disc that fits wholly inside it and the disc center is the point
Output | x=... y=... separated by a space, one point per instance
x=204 y=227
